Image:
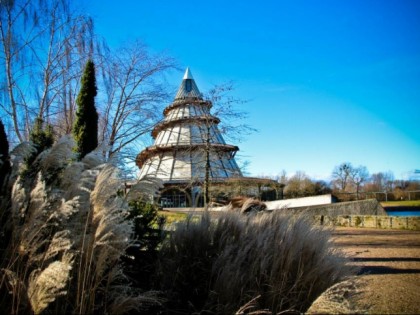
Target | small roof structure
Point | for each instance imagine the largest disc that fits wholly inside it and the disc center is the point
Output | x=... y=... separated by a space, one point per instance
x=188 y=88
x=188 y=74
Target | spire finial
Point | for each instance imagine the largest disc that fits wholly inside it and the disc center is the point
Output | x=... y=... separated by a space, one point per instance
x=188 y=74
x=188 y=88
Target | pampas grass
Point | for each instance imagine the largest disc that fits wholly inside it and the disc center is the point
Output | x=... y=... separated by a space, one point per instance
x=222 y=265
x=106 y=238
x=69 y=229
x=47 y=285
x=18 y=156
x=147 y=186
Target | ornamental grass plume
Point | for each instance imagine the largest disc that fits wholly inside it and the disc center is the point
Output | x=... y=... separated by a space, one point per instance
x=148 y=186
x=18 y=156
x=46 y=285
x=219 y=266
x=68 y=232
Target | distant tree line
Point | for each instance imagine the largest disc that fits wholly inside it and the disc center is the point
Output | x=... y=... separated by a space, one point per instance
x=350 y=183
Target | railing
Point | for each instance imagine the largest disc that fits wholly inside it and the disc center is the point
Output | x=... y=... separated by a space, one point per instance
x=380 y=195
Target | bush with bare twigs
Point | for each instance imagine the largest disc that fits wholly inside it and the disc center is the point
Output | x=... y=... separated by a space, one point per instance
x=279 y=263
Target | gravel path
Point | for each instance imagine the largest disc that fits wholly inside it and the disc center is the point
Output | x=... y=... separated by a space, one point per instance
x=389 y=279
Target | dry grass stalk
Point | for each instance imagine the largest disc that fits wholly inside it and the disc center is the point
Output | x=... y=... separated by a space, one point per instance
x=249 y=306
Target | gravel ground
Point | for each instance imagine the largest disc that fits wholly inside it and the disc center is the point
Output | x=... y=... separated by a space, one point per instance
x=389 y=278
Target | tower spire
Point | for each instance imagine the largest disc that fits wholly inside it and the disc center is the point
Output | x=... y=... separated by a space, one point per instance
x=188 y=88
x=188 y=74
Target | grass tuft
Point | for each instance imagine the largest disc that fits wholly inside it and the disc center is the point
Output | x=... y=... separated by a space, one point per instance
x=222 y=265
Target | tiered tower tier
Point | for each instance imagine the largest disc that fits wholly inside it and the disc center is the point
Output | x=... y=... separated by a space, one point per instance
x=186 y=139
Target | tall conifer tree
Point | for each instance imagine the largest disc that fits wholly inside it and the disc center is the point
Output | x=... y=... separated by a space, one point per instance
x=4 y=155
x=85 y=129
x=4 y=144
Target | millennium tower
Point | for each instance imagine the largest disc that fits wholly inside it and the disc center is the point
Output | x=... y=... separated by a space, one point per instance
x=189 y=150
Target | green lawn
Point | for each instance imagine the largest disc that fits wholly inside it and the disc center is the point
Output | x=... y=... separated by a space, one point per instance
x=172 y=216
x=401 y=203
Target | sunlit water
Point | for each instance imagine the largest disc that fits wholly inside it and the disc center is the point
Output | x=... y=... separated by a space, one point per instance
x=403 y=212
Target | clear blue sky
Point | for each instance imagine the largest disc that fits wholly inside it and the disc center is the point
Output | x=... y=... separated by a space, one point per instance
x=327 y=81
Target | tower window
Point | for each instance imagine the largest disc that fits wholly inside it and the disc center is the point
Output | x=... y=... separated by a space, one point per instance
x=188 y=85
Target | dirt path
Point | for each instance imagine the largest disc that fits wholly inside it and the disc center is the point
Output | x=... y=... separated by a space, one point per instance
x=389 y=279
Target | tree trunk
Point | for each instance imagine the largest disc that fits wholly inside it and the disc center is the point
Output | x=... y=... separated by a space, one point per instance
x=207 y=173
x=6 y=38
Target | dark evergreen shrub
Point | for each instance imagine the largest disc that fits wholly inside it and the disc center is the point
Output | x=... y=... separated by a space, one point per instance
x=85 y=129
x=141 y=259
x=42 y=139
x=4 y=155
x=4 y=144
x=5 y=169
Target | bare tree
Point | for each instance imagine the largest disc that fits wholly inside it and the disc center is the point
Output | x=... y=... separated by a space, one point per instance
x=132 y=94
x=359 y=175
x=342 y=174
x=299 y=185
x=42 y=47
x=382 y=181
x=282 y=177
x=282 y=180
x=226 y=106
x=225 y=109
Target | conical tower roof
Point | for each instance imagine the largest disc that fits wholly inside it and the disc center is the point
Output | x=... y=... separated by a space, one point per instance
x=188 y=88
x=183 y=139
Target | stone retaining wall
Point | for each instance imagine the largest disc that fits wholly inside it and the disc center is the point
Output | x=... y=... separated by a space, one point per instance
x=361 y=207
x=370 y=221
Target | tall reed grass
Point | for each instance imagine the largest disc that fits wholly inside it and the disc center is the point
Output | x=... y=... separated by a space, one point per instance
x=67 y=231
x=279 y=263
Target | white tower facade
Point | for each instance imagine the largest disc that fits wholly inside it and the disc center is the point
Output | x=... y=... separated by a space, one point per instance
x=188 y=145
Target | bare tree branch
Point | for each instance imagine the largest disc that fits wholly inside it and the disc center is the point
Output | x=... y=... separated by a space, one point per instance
x=44 y=45
x=133 y=94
